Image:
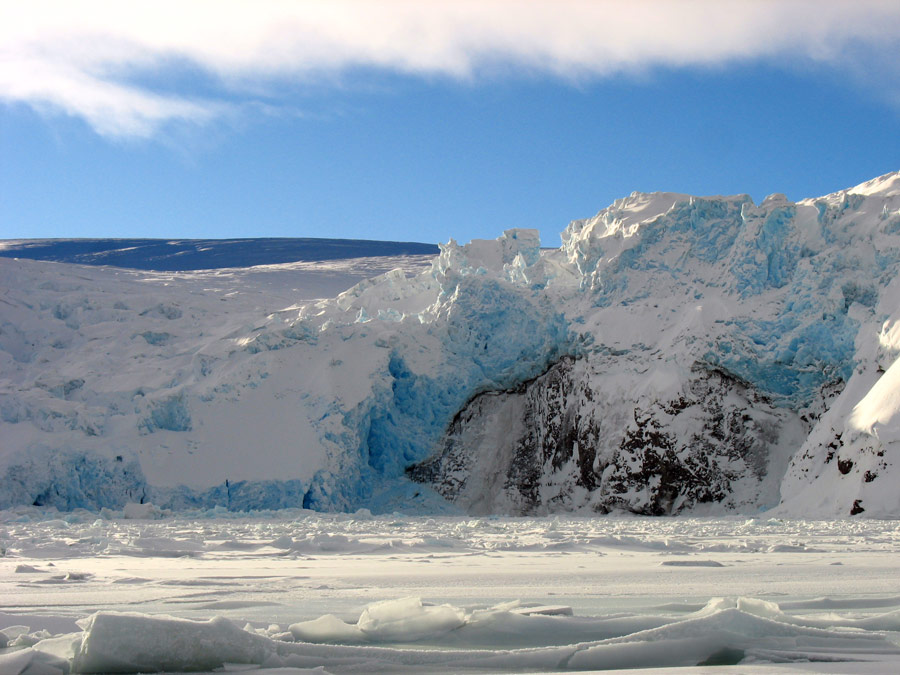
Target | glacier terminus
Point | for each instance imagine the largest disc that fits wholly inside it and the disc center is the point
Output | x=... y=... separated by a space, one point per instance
x=676 y=355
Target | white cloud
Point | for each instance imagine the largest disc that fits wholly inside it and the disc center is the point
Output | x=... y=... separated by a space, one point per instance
x=112 y=109
x=82 y=57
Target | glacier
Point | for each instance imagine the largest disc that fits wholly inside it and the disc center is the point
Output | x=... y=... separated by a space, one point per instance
x=677 y=354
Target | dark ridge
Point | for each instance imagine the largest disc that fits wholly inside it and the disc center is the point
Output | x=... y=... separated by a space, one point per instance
x=179 y=255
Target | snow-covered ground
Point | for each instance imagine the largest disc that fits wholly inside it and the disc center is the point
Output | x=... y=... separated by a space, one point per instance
x=357 y=593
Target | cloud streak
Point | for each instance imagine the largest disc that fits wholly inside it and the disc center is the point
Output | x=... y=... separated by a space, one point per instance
x=91 y=59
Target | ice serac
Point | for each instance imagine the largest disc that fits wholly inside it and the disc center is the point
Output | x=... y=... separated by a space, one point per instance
x=478 y=321
x=676 y=354
x=724 y=346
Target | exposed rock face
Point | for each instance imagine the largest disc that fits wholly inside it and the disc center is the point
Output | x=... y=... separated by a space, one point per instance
x=564 y=441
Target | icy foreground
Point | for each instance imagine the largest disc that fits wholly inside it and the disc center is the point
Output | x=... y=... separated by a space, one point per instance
x=676 y=355
x=357 y=593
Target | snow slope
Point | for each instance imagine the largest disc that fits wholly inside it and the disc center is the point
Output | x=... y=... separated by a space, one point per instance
x=676 y=354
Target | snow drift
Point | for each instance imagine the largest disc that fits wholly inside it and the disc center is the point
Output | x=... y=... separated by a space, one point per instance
x=676 y=354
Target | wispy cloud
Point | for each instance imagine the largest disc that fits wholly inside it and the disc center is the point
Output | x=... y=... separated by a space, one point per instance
x=93 y=58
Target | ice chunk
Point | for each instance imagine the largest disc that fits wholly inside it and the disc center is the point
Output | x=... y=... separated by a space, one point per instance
x=723 y=635
x=27 y=639
x=131 y=643
x=328 y=628
x=12 y=632
x=142 y=511
x=408 y=619
x=63 y=647
x=31 y=662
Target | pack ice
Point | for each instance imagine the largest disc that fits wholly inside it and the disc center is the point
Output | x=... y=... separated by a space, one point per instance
x=676 y=354
x=721 y=633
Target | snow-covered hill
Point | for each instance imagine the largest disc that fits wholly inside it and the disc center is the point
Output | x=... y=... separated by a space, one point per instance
x=676 y=354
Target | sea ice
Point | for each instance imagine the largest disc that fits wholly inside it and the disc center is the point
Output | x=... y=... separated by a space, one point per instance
x=445 y=593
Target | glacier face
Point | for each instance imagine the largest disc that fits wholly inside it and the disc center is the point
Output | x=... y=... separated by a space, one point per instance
x=676 y=354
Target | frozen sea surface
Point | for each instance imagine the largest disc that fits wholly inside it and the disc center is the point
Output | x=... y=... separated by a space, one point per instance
x=355 y=593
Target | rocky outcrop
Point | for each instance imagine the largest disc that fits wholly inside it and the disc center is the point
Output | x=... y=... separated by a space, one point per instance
x=563 y=441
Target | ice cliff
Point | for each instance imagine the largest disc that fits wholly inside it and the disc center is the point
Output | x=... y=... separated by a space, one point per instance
x=677 y=353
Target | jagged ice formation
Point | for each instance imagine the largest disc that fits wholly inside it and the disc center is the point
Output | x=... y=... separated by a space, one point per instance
x=676 y=354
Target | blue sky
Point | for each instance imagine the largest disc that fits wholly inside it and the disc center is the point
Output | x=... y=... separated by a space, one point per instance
x=178 y=128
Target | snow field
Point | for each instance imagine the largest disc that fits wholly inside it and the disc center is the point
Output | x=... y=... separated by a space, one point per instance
x=358 y=593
